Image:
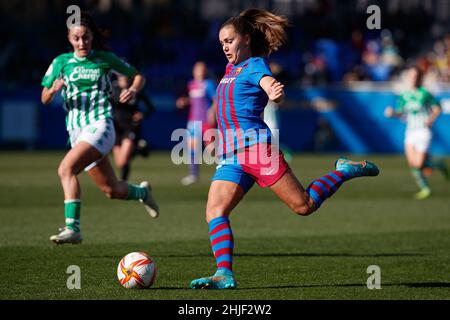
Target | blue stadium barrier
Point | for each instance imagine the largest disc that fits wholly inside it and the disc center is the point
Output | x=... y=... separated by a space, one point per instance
x=354 y=124
x=358 y=123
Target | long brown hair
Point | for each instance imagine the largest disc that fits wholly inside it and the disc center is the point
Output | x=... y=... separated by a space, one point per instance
x=266 y=30
x=420 y=75
x=100 y=35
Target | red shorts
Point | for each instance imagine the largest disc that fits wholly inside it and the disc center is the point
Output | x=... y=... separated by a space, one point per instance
x=258 y=163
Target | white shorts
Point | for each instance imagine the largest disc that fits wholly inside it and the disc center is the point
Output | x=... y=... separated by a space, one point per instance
x=419 y=138
x=100 y=134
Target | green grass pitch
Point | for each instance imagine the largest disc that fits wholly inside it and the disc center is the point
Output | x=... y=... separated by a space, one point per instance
x=278 y=255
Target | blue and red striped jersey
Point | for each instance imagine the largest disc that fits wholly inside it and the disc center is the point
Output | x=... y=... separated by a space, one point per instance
x=240 y=103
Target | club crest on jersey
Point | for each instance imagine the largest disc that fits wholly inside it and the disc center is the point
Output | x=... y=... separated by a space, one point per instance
x=238 y=70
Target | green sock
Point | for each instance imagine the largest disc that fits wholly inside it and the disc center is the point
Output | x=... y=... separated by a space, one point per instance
x=72 y=214
x=136 y=192
x=420 y=178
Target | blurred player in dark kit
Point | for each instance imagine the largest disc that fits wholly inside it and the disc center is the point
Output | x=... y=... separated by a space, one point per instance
x=128 y=119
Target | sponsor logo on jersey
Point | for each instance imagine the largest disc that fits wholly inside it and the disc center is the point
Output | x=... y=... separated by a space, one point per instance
x=227 y=80
x=413 y=106
x=82 y=73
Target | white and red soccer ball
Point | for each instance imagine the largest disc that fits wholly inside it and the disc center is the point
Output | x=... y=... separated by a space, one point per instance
x=136 y=270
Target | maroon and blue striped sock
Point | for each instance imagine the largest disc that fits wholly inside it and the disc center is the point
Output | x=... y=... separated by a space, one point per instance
x=324 y=187
x=222 y=242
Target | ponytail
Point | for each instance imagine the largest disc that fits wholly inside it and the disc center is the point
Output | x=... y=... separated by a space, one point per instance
x=266 y=30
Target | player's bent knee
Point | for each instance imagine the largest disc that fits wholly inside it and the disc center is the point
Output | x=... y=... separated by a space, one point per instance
x=61 y=172
x=64 y=171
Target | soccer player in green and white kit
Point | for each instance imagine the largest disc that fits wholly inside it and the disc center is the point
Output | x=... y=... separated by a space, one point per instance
x=421 y=110
x=84 y=78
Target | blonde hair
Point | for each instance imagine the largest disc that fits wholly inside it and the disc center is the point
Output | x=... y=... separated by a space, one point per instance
x=266 y=30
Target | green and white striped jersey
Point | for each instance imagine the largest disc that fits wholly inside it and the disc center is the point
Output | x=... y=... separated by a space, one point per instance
x=88 y=84
x=416 y=106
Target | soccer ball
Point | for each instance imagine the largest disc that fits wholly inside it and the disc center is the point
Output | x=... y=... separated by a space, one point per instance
x=136 y=270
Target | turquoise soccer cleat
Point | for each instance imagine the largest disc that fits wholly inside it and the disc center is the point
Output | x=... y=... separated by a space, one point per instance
x=222 y=279
x=357 y=169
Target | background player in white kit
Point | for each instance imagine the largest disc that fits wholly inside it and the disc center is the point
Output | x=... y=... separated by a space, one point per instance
x=421 y=110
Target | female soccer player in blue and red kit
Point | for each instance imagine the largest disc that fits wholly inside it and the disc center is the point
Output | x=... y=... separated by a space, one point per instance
x=244 y=139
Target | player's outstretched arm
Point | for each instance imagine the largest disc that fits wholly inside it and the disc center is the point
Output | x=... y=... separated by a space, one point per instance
x=273 y=88
x=182 y=102
x=136 y=86
x=390 y=112
x=48 y=93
